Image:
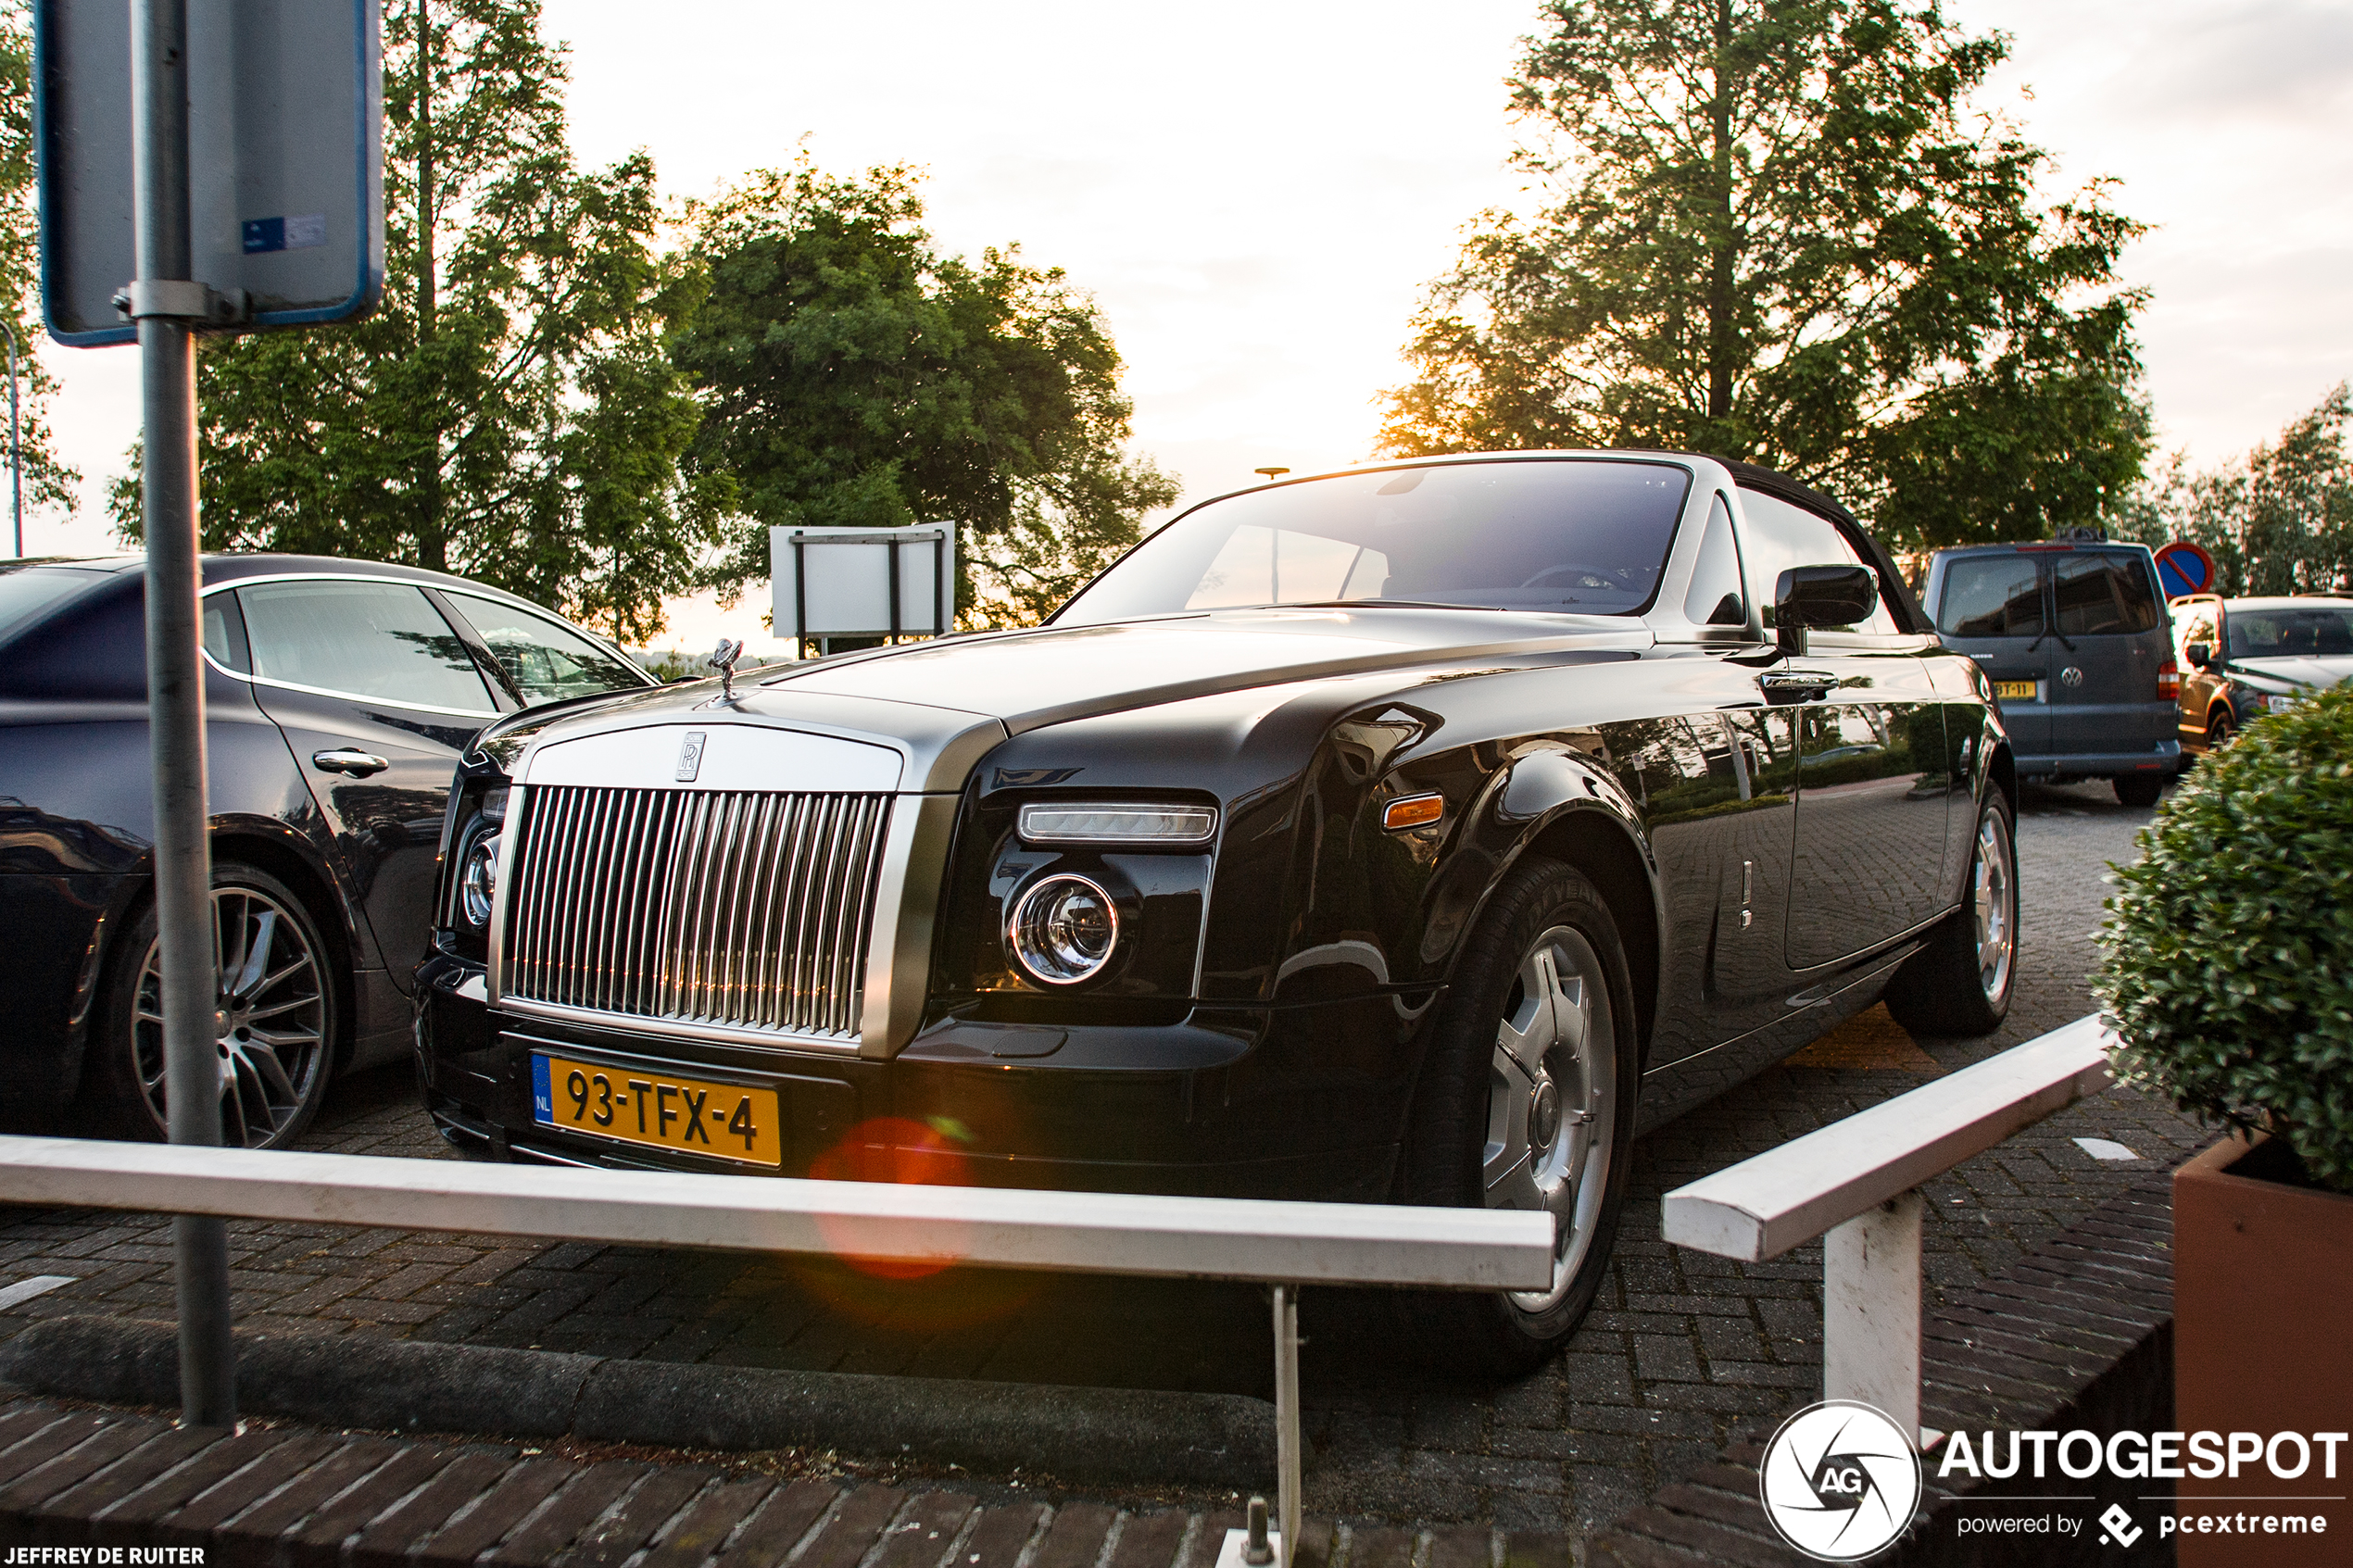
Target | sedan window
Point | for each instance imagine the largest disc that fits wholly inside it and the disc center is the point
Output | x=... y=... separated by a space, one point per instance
x=1583 y=537
x=1783 y=535
x=2280 y=634
x=380 y=640
x=544 y=658
x=28 y=592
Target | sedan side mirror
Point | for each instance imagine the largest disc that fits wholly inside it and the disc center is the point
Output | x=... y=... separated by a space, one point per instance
x=2199 y=655
x=1821 y=596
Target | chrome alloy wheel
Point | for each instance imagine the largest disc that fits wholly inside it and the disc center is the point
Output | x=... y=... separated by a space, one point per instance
x=1552 y=1100
x=1993 y=906
x=269 y=1020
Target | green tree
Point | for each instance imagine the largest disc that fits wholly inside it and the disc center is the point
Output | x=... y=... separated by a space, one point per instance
x=853 y=376
x=511 y=412
x=48 y=482
x=2278 y=521
x=1777 y=231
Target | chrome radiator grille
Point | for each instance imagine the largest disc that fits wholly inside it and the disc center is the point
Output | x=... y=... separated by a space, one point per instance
x=741 y=908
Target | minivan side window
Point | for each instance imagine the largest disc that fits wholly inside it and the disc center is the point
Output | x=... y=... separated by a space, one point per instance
x=2107 y=592
x=1781 y=535
x=1991 y=596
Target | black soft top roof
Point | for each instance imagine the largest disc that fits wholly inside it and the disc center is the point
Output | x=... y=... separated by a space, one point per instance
x=1893 y=588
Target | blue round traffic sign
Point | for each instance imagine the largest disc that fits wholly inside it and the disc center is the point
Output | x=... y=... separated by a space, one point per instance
x=2183 y=568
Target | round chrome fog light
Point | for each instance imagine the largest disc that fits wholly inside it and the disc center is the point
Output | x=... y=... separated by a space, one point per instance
x=478 y=881
x=1063 y=930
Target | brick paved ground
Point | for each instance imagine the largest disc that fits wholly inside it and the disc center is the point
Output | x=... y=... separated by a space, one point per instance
x=1681 y=1350
x=289 y=1497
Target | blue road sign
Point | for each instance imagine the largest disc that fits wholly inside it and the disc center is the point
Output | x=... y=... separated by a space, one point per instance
x=285 y=181
x=2183 y=568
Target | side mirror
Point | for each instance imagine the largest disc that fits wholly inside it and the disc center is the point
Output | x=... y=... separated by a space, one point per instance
x=1821 y=596
x=2199 y=655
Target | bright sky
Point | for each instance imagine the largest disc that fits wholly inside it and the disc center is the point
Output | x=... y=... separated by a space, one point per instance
x=1257 y=192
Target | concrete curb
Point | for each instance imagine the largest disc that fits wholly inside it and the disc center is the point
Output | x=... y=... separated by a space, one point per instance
x=1105 y=1434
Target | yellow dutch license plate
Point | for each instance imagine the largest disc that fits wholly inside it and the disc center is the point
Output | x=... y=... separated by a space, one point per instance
x=2016 y=691
x=657 y=1110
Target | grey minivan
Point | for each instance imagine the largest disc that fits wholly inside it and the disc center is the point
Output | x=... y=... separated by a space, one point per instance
x=2073 y=635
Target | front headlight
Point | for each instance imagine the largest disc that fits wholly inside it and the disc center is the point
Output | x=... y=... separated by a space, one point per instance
x=476 y=850
x=478 y=881
x=1063 y=930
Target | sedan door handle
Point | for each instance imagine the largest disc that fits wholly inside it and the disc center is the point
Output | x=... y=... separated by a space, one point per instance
x=358 y=764
x=1796 y=686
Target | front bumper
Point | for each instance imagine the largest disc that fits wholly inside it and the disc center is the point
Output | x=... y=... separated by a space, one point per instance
x=1271 y=1102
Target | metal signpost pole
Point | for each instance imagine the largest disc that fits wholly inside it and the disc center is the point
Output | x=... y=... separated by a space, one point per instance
x=163 y=298
x=15 y=447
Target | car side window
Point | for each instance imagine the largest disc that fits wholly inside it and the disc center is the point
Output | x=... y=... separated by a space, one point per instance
x=1781 y=536
x=2107 y=591
x=1716 y=599
x=224 y=633
x=544 y=658
x=1991 y=596
x=379 y=640
x=2200 y=629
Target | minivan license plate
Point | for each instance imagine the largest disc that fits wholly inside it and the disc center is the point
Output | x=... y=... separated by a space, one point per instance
x=2016 y=691
x=639 y=1105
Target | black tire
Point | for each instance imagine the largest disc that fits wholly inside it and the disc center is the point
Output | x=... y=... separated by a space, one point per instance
x=1470 y=1096
x=1961 y=983
x=2139 y=790
x=280 y=1073
x=2219 y=727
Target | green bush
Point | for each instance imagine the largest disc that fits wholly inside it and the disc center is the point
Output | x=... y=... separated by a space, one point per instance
x=2229 y=964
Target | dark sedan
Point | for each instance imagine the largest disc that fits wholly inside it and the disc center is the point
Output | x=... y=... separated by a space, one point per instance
x=1417 y=834
x=338 y=696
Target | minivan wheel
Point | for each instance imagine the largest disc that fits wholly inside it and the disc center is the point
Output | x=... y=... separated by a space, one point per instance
x=273 y=1023
x=1527 y=1101
x=2139 y=789
x=1959 y=983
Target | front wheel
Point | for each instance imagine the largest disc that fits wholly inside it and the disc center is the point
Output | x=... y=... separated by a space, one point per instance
x=273 y=1020
x=2220 y=728
x=1959 y=983
x=1527 y=1101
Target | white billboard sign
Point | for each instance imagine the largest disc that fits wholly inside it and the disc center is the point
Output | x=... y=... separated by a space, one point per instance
x=864 y=581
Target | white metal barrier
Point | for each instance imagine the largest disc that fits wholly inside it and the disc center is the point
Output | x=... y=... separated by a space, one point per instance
x=1855 y=1184
x=1283 y=1244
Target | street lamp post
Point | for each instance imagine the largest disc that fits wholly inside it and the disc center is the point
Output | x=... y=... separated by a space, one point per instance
x=16 y=448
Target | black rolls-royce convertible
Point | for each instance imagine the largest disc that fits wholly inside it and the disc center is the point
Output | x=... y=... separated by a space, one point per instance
x=1418 y=834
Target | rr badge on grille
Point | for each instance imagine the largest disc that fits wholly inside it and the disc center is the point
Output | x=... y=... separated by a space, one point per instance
x=690 y=757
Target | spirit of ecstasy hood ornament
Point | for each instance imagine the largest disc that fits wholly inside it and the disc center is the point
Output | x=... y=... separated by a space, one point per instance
x=722 y=658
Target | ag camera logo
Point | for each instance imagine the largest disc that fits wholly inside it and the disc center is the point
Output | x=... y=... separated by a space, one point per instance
x=1840 y=1481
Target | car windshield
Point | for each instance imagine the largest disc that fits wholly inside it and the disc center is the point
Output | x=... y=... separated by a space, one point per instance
x=2285 y=633
x=1581 y=537
x=28 y=593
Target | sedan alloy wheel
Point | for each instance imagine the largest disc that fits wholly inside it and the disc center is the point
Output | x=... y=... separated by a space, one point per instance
x=270 y=1019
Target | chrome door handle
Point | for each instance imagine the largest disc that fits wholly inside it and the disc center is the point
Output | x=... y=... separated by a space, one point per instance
x=1796 y=686
x=358 y=764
